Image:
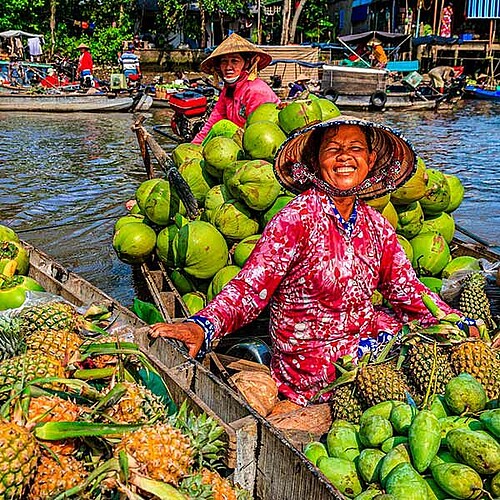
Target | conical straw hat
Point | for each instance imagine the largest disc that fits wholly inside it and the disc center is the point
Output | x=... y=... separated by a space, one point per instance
x=235 y=44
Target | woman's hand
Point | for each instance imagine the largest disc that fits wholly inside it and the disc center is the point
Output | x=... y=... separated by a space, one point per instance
x=191 y=334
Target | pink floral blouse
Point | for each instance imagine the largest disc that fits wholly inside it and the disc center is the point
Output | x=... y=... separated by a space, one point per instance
x=319 y=281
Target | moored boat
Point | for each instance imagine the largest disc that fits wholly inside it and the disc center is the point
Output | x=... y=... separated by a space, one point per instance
x=70 y=102
x=485 y=94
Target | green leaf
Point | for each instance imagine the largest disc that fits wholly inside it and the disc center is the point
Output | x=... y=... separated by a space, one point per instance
x=146 y=311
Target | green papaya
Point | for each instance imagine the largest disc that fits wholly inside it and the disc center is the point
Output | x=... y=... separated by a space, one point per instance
x=314 y=451
x=464 y=393
x=383 y=409
x=458 y=480
x=401 y=417
x=443 y=457
x=438 y=406
x=392 y=442
x=368 y=464
x=369 y=494
x=394 y=457
x=475 y=449
x=405 y=483
x=342 y=440
x=453 y=422
x=491 y=420
x=342 y=474
x=495 y=485
x=434 y=492
x=374 y=430
x=424 y=437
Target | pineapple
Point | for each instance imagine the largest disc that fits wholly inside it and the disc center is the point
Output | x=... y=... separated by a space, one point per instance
x=137 y=405
x=56 y=475
x=195 y=488
x=473 y=301
x=11 y=340
x=25 y=368
x=59 y=344
x=345 y=403
x=427 y=366
x=53 y=409
x=222 y=488
x=101 y=360
x=19 y=454
x=49 y=316
x=380 y=382
x=159 y=452
x=479 y=360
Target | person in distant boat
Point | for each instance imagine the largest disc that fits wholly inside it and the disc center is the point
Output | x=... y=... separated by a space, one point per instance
x=15 y=72
x=377 y=56
x=320 y=259
x=299 y=85
x=441 y=75
x=131 y=64
x=236 y=61
x=84 y=71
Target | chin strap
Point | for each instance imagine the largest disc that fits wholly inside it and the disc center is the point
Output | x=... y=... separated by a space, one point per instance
x=253 y=71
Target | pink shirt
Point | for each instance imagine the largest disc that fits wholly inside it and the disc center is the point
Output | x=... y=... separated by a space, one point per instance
x=248 y=95
x=319 y=282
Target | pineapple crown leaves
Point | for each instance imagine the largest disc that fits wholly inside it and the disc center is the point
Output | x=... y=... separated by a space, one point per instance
x=194 y=487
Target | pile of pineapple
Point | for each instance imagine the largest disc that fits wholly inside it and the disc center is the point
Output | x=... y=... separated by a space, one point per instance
x=79 y=421
x=450 y=448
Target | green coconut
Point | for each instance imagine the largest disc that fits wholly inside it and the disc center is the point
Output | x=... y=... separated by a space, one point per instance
x=158 y=202
x=199 y=180
x=380 y=203
x=462 y=263
x=222 y=128
x=413 y=189
x=127 y=219
x=14 y=250
x=199 y=249
x=8 y=234
x=255 y=183
x=221 y=279
x=406 y=246
x=431 y=253
x=186 y=151
x=234 y=220
x=389 y=212
x=194 y=301
x=262 y=139
x=443 y=223
x=244 y=248
x=134 y=242
x=182 y=282
x=164 y=241
x=265 y=112
x=329 y=110
x=457 y=192
x=410 y=219
x=280 y=202
x=215 y=198
x=219 y=153
x=432 y=283
x=298 y=114
x=437 y=193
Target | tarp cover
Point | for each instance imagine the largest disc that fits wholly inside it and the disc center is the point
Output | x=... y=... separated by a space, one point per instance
x=18 y=33
x=365 y=37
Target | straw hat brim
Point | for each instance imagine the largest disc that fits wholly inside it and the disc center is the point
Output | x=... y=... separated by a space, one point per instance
x=374 y=42
x=235 y=44
x=302 y=78
x=394 y=165
x=83 y=46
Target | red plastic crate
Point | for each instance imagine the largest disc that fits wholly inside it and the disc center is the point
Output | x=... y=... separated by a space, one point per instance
x=189 y=103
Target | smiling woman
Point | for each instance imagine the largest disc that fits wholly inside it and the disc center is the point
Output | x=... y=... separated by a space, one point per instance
x=320 y=259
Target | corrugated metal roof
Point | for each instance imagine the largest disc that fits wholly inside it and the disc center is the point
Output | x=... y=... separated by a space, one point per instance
x=483 y=9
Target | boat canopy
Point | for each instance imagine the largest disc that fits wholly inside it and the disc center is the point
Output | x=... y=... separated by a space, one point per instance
x=18 y=33
x=383 y=36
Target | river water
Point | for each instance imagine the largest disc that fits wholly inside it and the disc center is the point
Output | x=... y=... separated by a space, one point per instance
x=65 y=178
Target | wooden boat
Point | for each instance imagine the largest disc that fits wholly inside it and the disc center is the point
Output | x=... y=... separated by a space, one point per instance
x=259 y=457
x=475 y=92
x=72 y=102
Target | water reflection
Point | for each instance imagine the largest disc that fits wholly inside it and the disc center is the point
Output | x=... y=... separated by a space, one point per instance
x=65 y=178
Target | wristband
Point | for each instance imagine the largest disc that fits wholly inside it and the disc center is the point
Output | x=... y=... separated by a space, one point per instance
x=208 y=330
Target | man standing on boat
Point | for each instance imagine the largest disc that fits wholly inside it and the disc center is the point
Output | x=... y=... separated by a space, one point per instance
x=130 y=63
x=378 y=56
x=85 y=66
x=440 y=75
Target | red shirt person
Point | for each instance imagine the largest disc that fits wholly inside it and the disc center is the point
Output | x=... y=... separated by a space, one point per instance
x=85 y=66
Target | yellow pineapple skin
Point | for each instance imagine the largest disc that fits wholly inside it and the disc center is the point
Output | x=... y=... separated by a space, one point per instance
x=221 y=487
x=55 y=476
x=59 y=344
x=49 y=316
x=160 y=452
x=19 y=454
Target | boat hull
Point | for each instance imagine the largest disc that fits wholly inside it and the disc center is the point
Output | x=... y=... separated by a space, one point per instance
x=483 y=94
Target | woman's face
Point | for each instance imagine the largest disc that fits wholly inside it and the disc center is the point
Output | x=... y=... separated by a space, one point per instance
x=344 y=157
x=231 y=65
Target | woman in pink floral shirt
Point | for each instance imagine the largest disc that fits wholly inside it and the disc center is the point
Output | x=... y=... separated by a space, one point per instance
x=320 y=259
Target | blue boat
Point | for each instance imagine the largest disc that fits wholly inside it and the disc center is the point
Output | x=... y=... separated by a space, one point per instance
x=474 y=92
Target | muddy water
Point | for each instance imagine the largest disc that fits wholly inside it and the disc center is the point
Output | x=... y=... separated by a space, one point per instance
x=65 y=178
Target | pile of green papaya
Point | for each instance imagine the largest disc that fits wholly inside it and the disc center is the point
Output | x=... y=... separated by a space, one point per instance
x=14 y=266
x=448 y=449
